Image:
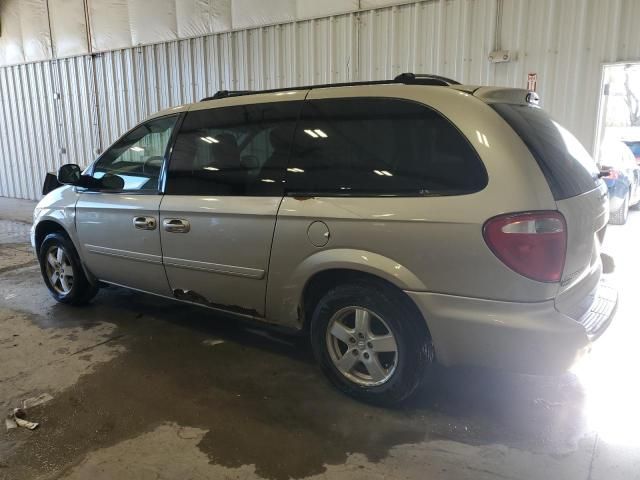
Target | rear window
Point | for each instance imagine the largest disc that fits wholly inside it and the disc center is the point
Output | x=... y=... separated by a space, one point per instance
x=567 y=166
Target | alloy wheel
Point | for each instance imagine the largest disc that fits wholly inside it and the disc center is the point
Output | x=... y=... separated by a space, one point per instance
x=59 y=270
x=362 y=346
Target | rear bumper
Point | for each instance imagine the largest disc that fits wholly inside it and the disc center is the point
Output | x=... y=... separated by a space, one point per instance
x=530 y=338
x=601 y=305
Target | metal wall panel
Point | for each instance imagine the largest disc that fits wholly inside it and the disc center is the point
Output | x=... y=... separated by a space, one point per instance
x=46 y=121
x=69 y=110
x=564 y=41
x=29 y=133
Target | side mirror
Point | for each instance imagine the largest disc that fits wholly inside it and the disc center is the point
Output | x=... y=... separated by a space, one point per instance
x=50 y=183
x=69 y=174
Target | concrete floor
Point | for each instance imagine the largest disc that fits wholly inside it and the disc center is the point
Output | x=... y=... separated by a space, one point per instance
x=146 y=388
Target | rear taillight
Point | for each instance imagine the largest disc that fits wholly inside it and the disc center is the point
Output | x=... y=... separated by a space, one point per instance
x=610 y=173
x=533 y=244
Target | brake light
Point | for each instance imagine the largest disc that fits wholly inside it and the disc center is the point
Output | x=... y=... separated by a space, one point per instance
x=610 y=173
x=532 y=244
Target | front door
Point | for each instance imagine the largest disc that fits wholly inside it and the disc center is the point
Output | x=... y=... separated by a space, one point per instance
x=224 y=188
x=118 y=221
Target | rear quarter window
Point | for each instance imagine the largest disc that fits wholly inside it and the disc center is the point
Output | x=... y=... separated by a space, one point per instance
x=380 y=146
x=565 y=163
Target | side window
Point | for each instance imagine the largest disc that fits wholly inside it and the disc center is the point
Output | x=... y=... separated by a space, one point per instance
x=137 y=157
x=239 y=150
x=374 y=146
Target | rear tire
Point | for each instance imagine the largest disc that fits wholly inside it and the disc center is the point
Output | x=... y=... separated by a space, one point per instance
x=371 y=342
x=620 y=216
x=62 y=271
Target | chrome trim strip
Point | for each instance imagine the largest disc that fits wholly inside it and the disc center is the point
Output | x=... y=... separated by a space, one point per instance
x=114 y=252
x=254 y=273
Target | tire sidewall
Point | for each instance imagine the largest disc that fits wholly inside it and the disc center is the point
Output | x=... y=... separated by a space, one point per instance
x=620 y=216
x=414 y=345
x=79 y=280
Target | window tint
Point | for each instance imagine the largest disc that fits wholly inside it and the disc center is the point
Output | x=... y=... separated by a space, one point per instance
x=371 y=146
x=567 y=166
x=137 y=157
x=233 y=150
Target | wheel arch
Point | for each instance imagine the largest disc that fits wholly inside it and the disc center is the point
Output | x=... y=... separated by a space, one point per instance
x=48 y=226
x=328 y=268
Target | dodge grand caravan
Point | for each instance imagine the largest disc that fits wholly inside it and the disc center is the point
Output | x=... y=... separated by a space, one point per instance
x=397 y=223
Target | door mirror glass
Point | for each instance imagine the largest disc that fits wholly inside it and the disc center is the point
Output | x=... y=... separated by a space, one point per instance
x=69 y=174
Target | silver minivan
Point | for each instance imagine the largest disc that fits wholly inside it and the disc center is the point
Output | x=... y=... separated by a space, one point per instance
x=397 y=223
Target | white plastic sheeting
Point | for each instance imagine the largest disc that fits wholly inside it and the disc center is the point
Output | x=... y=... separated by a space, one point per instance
x=109 y=24
x=251 y=13
x=11 y=50
x=314 y=8
x=56 y=112
x=34 y=30
x=68 y=27
x=201 y=17
x=24 y=34
x=153 y=21
x=34 y=25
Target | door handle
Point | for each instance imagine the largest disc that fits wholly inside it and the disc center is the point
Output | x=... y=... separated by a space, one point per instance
x=144 y=223
x=176 y=225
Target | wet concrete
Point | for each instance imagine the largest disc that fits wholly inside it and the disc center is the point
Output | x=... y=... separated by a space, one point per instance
x=147 y=388
x=12 y=209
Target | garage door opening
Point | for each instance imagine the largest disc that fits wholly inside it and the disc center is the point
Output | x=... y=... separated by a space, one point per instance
x=619 y=117
x=617 y=149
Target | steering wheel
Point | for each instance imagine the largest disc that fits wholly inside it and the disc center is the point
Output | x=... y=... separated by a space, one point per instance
x=154 y=162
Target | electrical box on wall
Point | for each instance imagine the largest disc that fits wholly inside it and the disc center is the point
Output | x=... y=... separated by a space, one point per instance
x=500 y=56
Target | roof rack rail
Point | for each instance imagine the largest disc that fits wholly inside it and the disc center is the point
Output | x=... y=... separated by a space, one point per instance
x=424 y=79
x=227 y=94
x=404 y=78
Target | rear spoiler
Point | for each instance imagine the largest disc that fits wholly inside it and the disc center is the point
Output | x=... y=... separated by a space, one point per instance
x=514 y=96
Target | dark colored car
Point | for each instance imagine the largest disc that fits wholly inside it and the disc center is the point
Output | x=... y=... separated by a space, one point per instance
x=623 y=180
x=634 y=146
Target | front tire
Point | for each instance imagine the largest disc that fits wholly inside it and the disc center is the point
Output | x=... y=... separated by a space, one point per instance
x=62 y=271
x=371 y=342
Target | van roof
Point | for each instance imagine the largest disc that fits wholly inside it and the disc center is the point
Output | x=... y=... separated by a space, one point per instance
x=404 y=78
x=488 y=94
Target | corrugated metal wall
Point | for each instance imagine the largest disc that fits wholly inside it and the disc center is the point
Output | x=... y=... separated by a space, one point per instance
x=65 y=111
